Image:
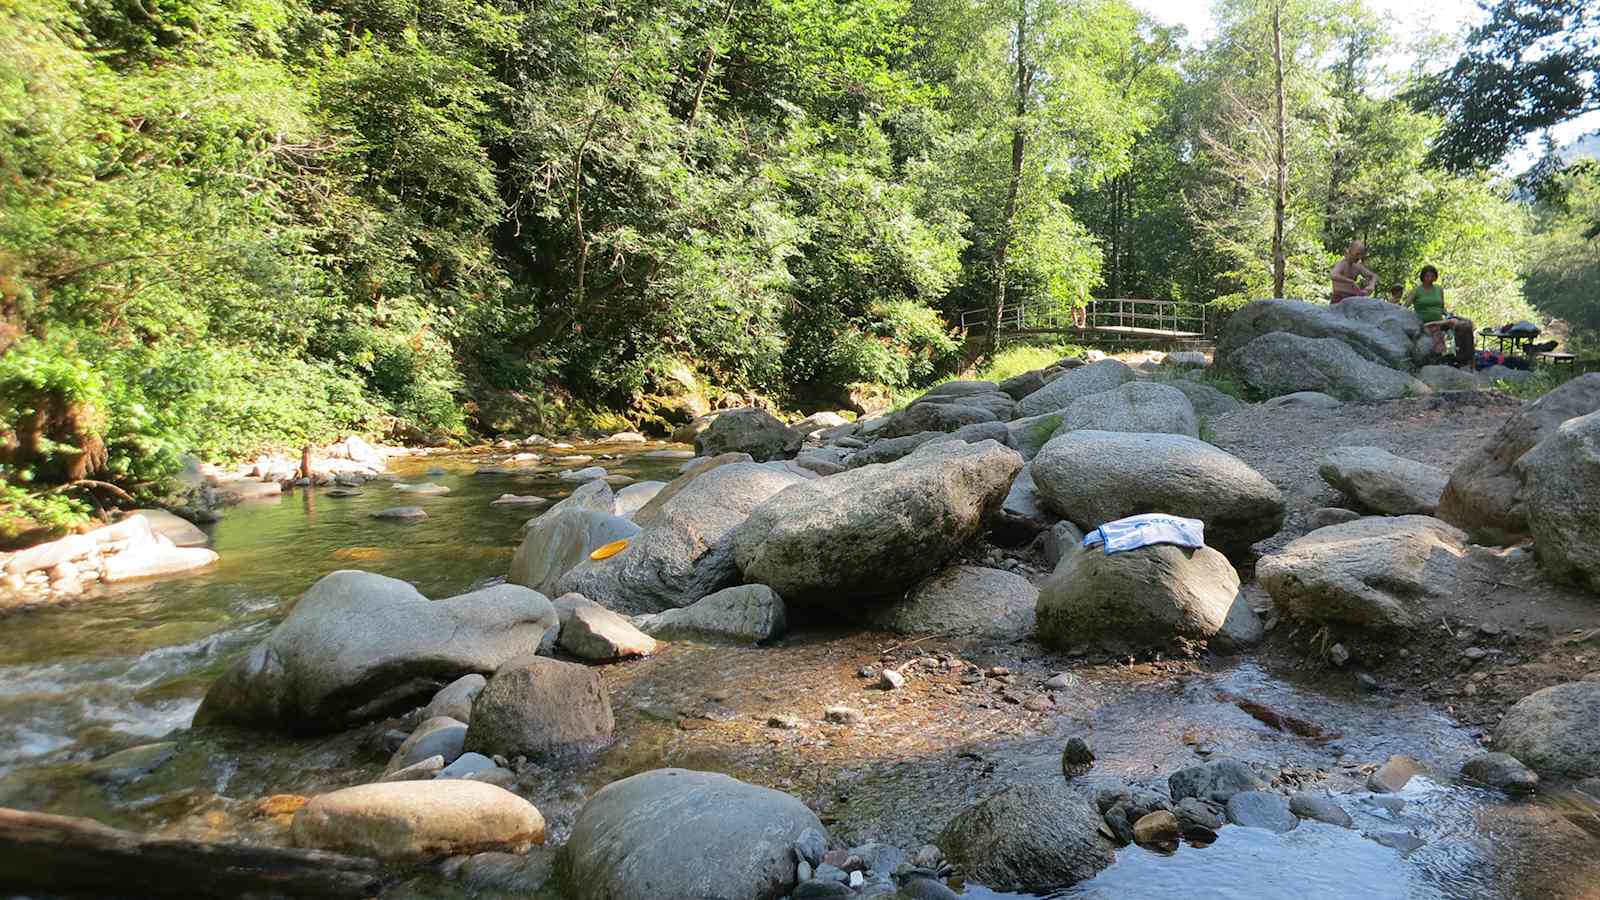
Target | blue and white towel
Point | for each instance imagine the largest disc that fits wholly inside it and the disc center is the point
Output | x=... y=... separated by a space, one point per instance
x=1143 y=530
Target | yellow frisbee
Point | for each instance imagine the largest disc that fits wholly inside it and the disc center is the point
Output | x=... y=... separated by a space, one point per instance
x=609 y=550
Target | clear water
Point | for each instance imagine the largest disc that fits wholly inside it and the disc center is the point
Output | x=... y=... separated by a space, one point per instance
x=130 y=665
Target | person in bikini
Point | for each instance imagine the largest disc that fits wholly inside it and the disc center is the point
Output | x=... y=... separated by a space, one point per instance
x=1348 y=272
x=1427 y=299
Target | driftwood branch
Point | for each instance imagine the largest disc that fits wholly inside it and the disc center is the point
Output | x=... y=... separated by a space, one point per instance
x=56 y=855
x=91 y=483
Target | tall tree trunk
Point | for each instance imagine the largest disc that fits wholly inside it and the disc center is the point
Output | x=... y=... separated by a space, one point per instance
x=1281 y=191
x=1114 y=284
x=1018 y=147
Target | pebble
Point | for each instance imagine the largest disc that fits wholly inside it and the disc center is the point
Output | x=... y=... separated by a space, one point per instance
x=830 y=872
x=1076 y=753
x=1338 y=655
x=890 y=680
x=1404 y=841
x=1159 y=827
x=867 y=672
x=1060 y=681
x=1321 y=808
x=844 y=715
x=857 y=879
x=787 y=723
x=1368 y=683
x=1394 y=775
x=802 y=871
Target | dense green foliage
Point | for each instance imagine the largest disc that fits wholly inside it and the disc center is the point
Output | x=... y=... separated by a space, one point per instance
x=234 y=224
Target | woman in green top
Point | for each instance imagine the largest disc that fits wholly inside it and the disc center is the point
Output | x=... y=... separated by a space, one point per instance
x=1427 y=299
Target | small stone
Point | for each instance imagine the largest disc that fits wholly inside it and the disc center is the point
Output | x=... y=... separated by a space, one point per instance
x=1404 y=841
x=927 y=857
x=1368 y=683
x=787 y=723
x=1060 y=681
x=1076 y=753
x=1474 y=653
x=1338 y=655
x=844 y=715
x=1261 y=809
x=867 y=672
x=998 y=672
x=919 y=886
x=811 y=846
x=802 y=871
x=1393 y=775
x=891 y=680
x=1321 y=808
x=421 y=770
x=1159 y=827
x=1198 y=819
x=820 y=889
x=830 y=871
x=1039 y=703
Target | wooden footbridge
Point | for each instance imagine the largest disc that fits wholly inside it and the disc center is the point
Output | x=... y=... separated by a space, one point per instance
x=1120 y=320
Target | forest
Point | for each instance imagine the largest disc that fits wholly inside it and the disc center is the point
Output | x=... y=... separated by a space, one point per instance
x=229 y=225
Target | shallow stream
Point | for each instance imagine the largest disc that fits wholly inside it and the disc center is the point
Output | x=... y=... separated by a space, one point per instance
x=129 y=666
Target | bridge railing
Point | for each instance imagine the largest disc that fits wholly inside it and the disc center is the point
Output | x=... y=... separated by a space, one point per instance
x=1124 y=316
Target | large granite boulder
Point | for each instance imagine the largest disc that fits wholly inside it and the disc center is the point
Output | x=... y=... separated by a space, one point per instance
x=1562 y=495
x=1381 y=482
x=685 y=550
x=358 y=646
x=1373 y=329
x=1282 y=363
x=1484 y=495
x=540 y=708
x=1029 y=435
x=934 y=416
x=412 y=821
x=753 y=431
x=746 y=612
x=1021 y=385
x=1094 y=477
x=1377 y=572
x=561 y=539
x=876 y=530
x=1060 y=393
x=1138 y=406
x=680 y=833
x=1149 y=595
x=965 y=601
x=1554 y=730
x=1208 y=402
x=1031 y=838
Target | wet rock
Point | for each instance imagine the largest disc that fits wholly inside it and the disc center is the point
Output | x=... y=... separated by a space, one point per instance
x=1151 y=594
x=1485 y=492
x=844 y=715
x=468 y=765
x=969 y=601
x=869 y=531
x=1561 y=492
x=455 y=699
x=748 y=612
x=597 y=634
x=559 y=541
x=1382 y=482
x=401 y=512
x=1094 y=477
x=925 y=887
x=514 y=500
x=587 y=473
x=412 y=820
x=1060 y=393
x=1281 y=363
x=1216 y=780
x=424 y=489
x=1198 y=819
x=1394 y=774
x=679 y=833
x=1502 y=771
x=1320 y=808
x=1261 y=809
x=540 y=708
x=508 y=873
x=1553 y=730
x=132 y=764
x=753 y=431
x=1137 y=406
x=1404 y=841
x=358 y=646
x=1330 y=515
x=440 y=736
x=1375 y=572
x=1159 y=827
x=685 y=551
x=1033 y=838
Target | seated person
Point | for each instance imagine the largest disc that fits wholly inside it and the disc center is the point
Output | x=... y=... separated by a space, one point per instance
x=1348 y=272
x=1427 y=299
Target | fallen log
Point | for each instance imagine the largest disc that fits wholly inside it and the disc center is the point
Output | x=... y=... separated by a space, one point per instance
x=57 y=855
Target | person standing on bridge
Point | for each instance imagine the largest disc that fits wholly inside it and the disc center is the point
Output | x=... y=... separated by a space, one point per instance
x=1348 y=272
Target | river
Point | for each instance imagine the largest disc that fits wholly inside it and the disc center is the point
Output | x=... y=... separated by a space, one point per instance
x=128 y=666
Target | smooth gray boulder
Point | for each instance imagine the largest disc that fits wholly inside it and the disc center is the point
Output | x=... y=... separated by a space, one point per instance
x=154 y=560
x=1373 y=329
x=746 y=612
x=824 y=460
x=934 y=416
x=876 y=530
x=1484 y=495
x=439 y=736
x=1378 y=572
x=749 y=430
x=1214 y=781
x=1382 y=482
x=1561 y=492
x=594 y=633
x=1319 y=808
x=1060 y=393
x=1208 y=402
x=1501 y=771
x=1060 y=540
x=1554 y=730
x=965 y=601
x=358 y=646
x=681 y=833
x=953 y=391
x=1261 y=809
x=1324 y=516
x=1018 y=386
x=1308 y=400
x=594 y=495
x=455 y=699
x=1152 y=594
x=180 y=531
x=1032 y=838
x=560 y=540
x=1094 y=477
x=632 y=498
x=411 y=821
x=542 y=709
x=1281 y=363
x=1028 y=436
x=1021 y=514
x=1138 y=406
x=685 y=550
